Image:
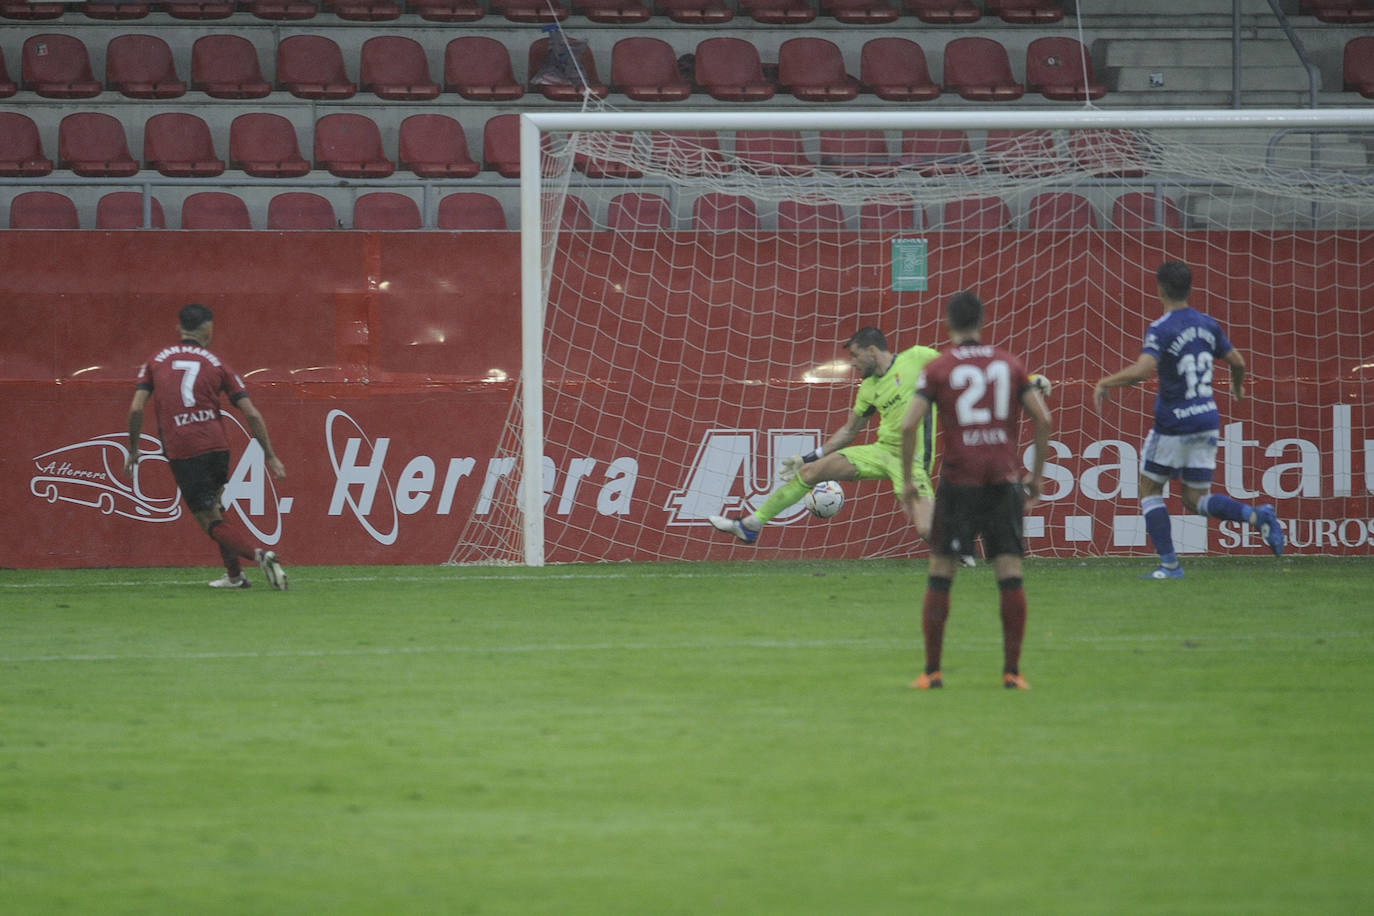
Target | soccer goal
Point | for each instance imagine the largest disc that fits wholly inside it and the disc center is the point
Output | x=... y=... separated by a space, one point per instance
x=689 y=280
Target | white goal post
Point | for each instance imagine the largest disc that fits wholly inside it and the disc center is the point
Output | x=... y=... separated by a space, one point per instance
x=1286 y=179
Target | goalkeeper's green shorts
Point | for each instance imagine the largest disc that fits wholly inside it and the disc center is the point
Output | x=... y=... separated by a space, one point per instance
x=877 y=462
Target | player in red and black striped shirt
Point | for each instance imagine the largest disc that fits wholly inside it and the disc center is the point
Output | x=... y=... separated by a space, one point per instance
x=185 y=382
x=980 y=392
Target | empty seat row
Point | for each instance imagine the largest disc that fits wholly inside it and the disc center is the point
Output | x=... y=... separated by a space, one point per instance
x=479 y=68
x=784 y=12
x=349 y=145
x=631 y=211
x=379 y=210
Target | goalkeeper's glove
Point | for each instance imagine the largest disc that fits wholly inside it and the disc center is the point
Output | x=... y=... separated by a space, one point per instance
x=790 y=466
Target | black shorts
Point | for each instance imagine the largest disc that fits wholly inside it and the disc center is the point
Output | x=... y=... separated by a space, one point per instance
x=963 y=513
x=201 y=478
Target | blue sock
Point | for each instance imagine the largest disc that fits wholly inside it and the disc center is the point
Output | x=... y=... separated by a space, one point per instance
x=1219 y=505
x=1157 y=527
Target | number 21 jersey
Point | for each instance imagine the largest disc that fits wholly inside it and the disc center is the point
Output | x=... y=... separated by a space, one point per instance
x=186 y=381
x=977 y=390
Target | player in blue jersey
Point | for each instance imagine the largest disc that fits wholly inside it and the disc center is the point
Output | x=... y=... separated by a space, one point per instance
x=1182 y=346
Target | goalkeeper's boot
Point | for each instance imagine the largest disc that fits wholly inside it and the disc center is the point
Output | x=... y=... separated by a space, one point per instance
x=1164 y=572
x=968 y=560
x=733 y=526
x=228 y=581
x=1014 y=681
x=929 y=680
x=1270 y=529
x=276 y=576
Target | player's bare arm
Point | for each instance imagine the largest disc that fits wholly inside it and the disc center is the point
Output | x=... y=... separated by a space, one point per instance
x=258 y=427
x=911 y=424
x=1034 y=405
x=1134 y=374
x=135 y=429
x=1236 y=363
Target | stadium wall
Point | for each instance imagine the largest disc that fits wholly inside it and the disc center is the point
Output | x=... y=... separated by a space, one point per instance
x=385 y=365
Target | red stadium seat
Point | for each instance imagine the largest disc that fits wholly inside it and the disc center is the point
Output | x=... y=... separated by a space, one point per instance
x=720 y=212
x=434 y=146
x=616 y=161
x=1343 y=12
x=478 y=68
x=300 y=210
x=21 y=149
x=364 y=10
x=1107 y=153
x=1023 y=12
x=860 y=12
x=350 y=146
x=530 y=10
x=57 y=67
x=8 y=87
x=31 y=12
x=92 y=144
x=501 y=145
x=979 y=70
x=1144 y=210
x=1357 y=66
x=696 y=12
x=944 y=12
x=856 y=153
x=812 y=215
x=645 y=69
x=976 y=214
x=394 y=68
x=630 y=212
x=939 y=152
x=178 y=145
x=616 y=12
x=472 y=211
x=812 y=69
x=576 y=217
x=689 y=153
x=226 y=67
x=586 y=77
x=312 y=67
x=447 y=10
x=779 y=12
x=199 y=9
x=1024 y=153
x=264 y=145
x=43 y=210
x=1059 y=68
x=1060 y=210
x=283 y=10
x=894 y=69
x=731 y=71
x=772 y=152
x=141 y=67
x=386 y=211
x=115 y=9
x=892 y=213
x=124 y=210
x=214 y=210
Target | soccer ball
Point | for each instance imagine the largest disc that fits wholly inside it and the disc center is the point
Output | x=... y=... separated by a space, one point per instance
x=1042 y=384
x=824 y=499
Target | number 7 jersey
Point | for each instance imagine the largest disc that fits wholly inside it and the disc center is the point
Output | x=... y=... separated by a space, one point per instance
x=186 y=381
x=977 y=390
x=1185 y=343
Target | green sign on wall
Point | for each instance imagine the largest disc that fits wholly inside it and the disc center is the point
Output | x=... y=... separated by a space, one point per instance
x=908 y=265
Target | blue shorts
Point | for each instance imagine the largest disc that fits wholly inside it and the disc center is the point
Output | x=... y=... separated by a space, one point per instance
x=1191 y=457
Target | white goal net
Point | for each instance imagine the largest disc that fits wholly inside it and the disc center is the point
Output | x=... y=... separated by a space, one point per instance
x=690 y=280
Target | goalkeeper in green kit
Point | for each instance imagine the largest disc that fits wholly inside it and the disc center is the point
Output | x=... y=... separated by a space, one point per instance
x=889 y=381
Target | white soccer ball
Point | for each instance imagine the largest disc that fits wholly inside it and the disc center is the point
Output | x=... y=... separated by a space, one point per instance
x=1042 y=384
x=824 y=499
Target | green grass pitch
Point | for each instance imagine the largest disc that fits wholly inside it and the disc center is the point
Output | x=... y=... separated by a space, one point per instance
x=687 y=738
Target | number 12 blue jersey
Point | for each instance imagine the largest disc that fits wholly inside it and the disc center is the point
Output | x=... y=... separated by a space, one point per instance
x=1185 y=343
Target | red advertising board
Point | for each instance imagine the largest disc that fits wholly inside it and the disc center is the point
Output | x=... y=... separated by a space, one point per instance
x=384 y=364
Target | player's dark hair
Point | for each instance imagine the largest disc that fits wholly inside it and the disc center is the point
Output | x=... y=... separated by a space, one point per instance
x=867 y=337
x=964 y=311
x=1175 y=280
x=193 y=316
